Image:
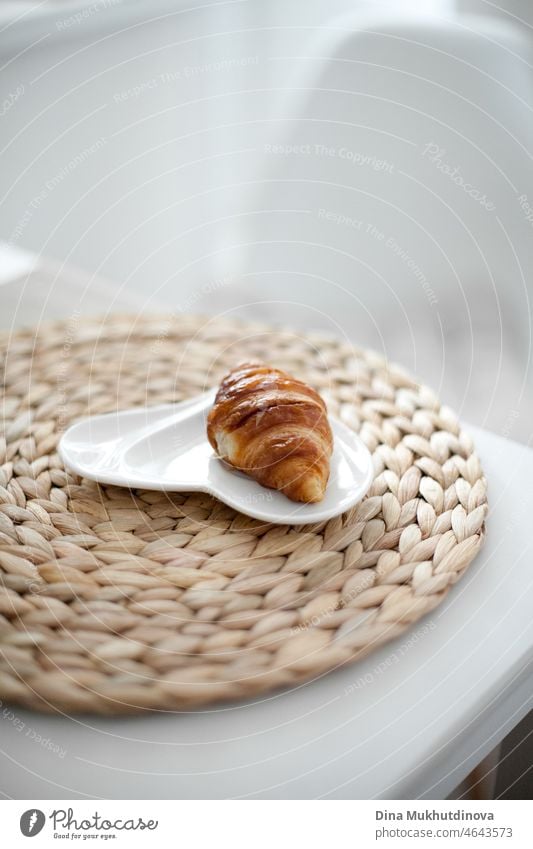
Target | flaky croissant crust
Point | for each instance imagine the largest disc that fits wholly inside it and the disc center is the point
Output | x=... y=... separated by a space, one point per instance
x=275 y=428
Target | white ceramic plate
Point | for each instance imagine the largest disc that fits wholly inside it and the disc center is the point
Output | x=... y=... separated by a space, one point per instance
x=166 y=448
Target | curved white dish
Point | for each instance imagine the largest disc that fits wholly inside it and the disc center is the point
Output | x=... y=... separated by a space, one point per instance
x=166 y=448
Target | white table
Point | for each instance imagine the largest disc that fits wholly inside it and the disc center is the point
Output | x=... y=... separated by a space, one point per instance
x=409 y=721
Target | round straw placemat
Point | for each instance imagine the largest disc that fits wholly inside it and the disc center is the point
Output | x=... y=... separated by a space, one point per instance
x=115 y=601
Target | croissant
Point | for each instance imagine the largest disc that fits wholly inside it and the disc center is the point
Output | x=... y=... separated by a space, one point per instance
x=274 y=428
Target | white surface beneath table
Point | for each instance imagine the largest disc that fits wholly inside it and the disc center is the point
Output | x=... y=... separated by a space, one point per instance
x=423 y=717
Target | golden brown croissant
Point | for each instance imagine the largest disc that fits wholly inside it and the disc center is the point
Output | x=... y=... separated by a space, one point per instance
x=273 y=427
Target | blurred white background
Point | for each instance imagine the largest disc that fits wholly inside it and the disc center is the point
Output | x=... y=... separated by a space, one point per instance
x=364 y=168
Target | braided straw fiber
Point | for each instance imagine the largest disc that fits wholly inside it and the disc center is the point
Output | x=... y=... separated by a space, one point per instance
x=115 y=601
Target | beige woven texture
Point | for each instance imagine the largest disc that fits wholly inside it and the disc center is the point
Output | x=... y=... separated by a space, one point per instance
x=116 y=601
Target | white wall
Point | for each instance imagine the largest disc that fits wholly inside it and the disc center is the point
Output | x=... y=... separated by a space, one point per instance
x=139 y=143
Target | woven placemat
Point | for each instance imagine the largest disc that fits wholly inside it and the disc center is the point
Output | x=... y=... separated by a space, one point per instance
x=116 y=601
